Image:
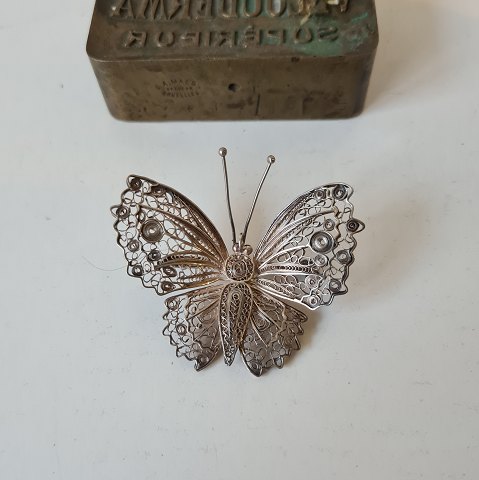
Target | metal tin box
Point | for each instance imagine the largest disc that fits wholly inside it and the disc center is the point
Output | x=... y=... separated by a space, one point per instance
x=233 y=59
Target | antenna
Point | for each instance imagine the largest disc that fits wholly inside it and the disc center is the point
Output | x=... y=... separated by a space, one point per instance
x=222 y=151
x=270 y=161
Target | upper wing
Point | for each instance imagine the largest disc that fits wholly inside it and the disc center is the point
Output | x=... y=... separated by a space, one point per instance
x=271 y=333
x=306 y=253
x=168 y=241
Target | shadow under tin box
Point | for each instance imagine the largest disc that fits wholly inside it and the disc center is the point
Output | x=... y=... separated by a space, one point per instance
x=233 y=59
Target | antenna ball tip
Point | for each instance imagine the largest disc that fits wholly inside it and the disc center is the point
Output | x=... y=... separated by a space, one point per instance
x=271 y=159
x=222 y=151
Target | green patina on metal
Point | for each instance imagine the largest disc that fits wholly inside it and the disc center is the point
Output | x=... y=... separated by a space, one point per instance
x=359 y=18
x=353 y=35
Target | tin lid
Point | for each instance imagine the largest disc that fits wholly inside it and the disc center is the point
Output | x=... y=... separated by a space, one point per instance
x=171 y=29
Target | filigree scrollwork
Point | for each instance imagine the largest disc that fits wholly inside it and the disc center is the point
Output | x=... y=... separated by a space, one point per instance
x=236 y=302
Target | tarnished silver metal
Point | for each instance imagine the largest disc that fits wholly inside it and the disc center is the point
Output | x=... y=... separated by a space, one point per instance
x=236 y=301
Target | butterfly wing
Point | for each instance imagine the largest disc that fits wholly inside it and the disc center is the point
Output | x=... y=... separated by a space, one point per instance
x=167 y=240
x=193 y=326
x=306 y=253
x=272 y=333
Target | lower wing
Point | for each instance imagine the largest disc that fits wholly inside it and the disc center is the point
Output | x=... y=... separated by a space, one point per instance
x=193 y=325
x=272 y=333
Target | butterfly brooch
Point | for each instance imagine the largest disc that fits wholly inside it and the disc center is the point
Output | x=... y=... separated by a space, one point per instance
x=236 y=301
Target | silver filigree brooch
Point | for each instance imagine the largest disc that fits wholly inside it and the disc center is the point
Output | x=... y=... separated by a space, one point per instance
x=236 y=301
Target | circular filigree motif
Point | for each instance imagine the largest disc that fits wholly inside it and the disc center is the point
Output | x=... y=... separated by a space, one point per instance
x=169 y=271
x=137 y=270
x=312 y=281
x=320 y=194
x=343 y=256
x=329 y=224
x=133 y=245
x=320 y=260
x=167 y=286
x=239 y=267
x=312 y=301
x=135 y=183
x=152 y=230
x=181 y=329
x=334 y=286
x=340 y=192
x=322 y=242
x=353 y=225
x=122 y=212
x=154 y=256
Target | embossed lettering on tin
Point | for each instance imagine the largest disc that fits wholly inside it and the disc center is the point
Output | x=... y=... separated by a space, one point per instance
x=186 y=24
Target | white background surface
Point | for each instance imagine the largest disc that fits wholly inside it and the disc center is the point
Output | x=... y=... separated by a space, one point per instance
x=386 y=385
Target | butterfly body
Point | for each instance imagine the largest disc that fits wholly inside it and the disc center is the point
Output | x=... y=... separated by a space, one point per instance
x=235 y=310
x=235 y=303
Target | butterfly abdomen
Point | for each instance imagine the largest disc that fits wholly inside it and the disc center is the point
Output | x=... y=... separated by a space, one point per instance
x=235 y=310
